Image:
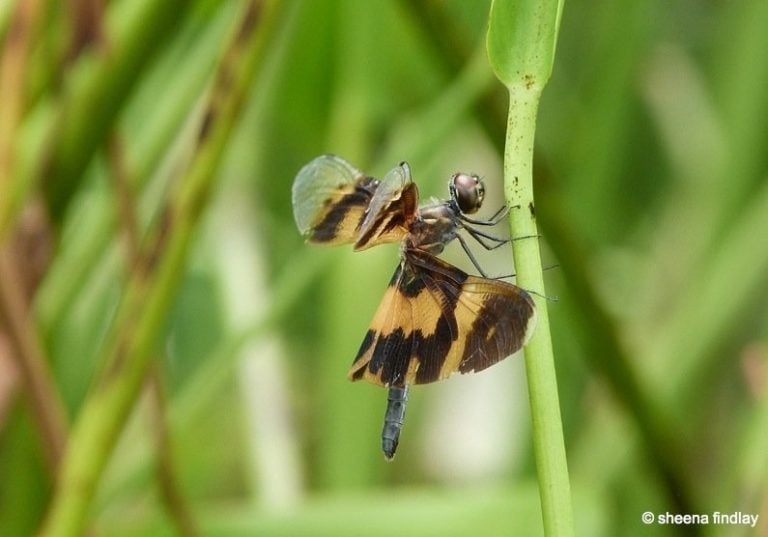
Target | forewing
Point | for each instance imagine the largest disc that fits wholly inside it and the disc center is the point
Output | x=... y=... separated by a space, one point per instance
x=330 y=198
x=391 y=211
x=436 y=320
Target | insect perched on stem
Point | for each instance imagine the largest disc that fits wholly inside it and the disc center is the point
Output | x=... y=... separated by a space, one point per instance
x=434 y=319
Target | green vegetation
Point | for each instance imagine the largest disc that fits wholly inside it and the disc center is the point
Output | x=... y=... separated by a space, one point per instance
x=173 y=357
x=522 y=38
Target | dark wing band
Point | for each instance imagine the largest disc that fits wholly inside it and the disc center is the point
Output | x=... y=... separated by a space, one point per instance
x=435 y=320
x=335 y=203
x=330 y=197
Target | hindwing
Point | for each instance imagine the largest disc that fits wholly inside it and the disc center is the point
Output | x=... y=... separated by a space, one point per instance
x=435 y=320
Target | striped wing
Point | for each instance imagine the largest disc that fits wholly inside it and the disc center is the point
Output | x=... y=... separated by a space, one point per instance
x=392 y=209
x=435 y=320
x=330 y=197
x=335 y=203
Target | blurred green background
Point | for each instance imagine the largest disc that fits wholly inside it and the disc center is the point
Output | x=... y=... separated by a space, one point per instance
x=652 y=199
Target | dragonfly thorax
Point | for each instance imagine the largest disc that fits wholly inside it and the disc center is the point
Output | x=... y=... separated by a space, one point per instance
x=436 y=225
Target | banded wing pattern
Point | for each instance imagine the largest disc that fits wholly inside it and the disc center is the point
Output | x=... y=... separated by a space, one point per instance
x=392 y=210
x=435 y=320
x=335 y=203
x=330 y=197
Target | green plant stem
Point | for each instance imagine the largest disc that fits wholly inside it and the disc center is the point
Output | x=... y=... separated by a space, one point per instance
x=170 y=492
x=548 y=443
x=89 y=112
x=171 y=495
x=188 y=406
x=144 y=147
x=154 y=283
x=522 y=35
x=15 y=48
x=17 y=324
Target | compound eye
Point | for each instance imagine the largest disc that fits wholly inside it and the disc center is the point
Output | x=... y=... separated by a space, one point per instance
x=468 y=191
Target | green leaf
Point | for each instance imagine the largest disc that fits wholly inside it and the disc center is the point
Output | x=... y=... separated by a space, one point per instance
x=521 y=40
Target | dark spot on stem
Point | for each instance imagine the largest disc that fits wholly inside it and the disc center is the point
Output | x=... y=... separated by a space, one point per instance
x=529 y=81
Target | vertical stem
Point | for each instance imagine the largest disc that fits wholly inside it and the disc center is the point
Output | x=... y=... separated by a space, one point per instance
x=548 y=443
x=16 y=321
x=15 y=46
x=170 y=493
x=152 y=286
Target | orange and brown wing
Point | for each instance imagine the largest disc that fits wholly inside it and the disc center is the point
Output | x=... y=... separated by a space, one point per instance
x=330 y=197
x=435 y=320
x=335 y=203
x=392 y=210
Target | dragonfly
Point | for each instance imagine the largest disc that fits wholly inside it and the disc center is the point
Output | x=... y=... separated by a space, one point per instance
x=434 y=319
